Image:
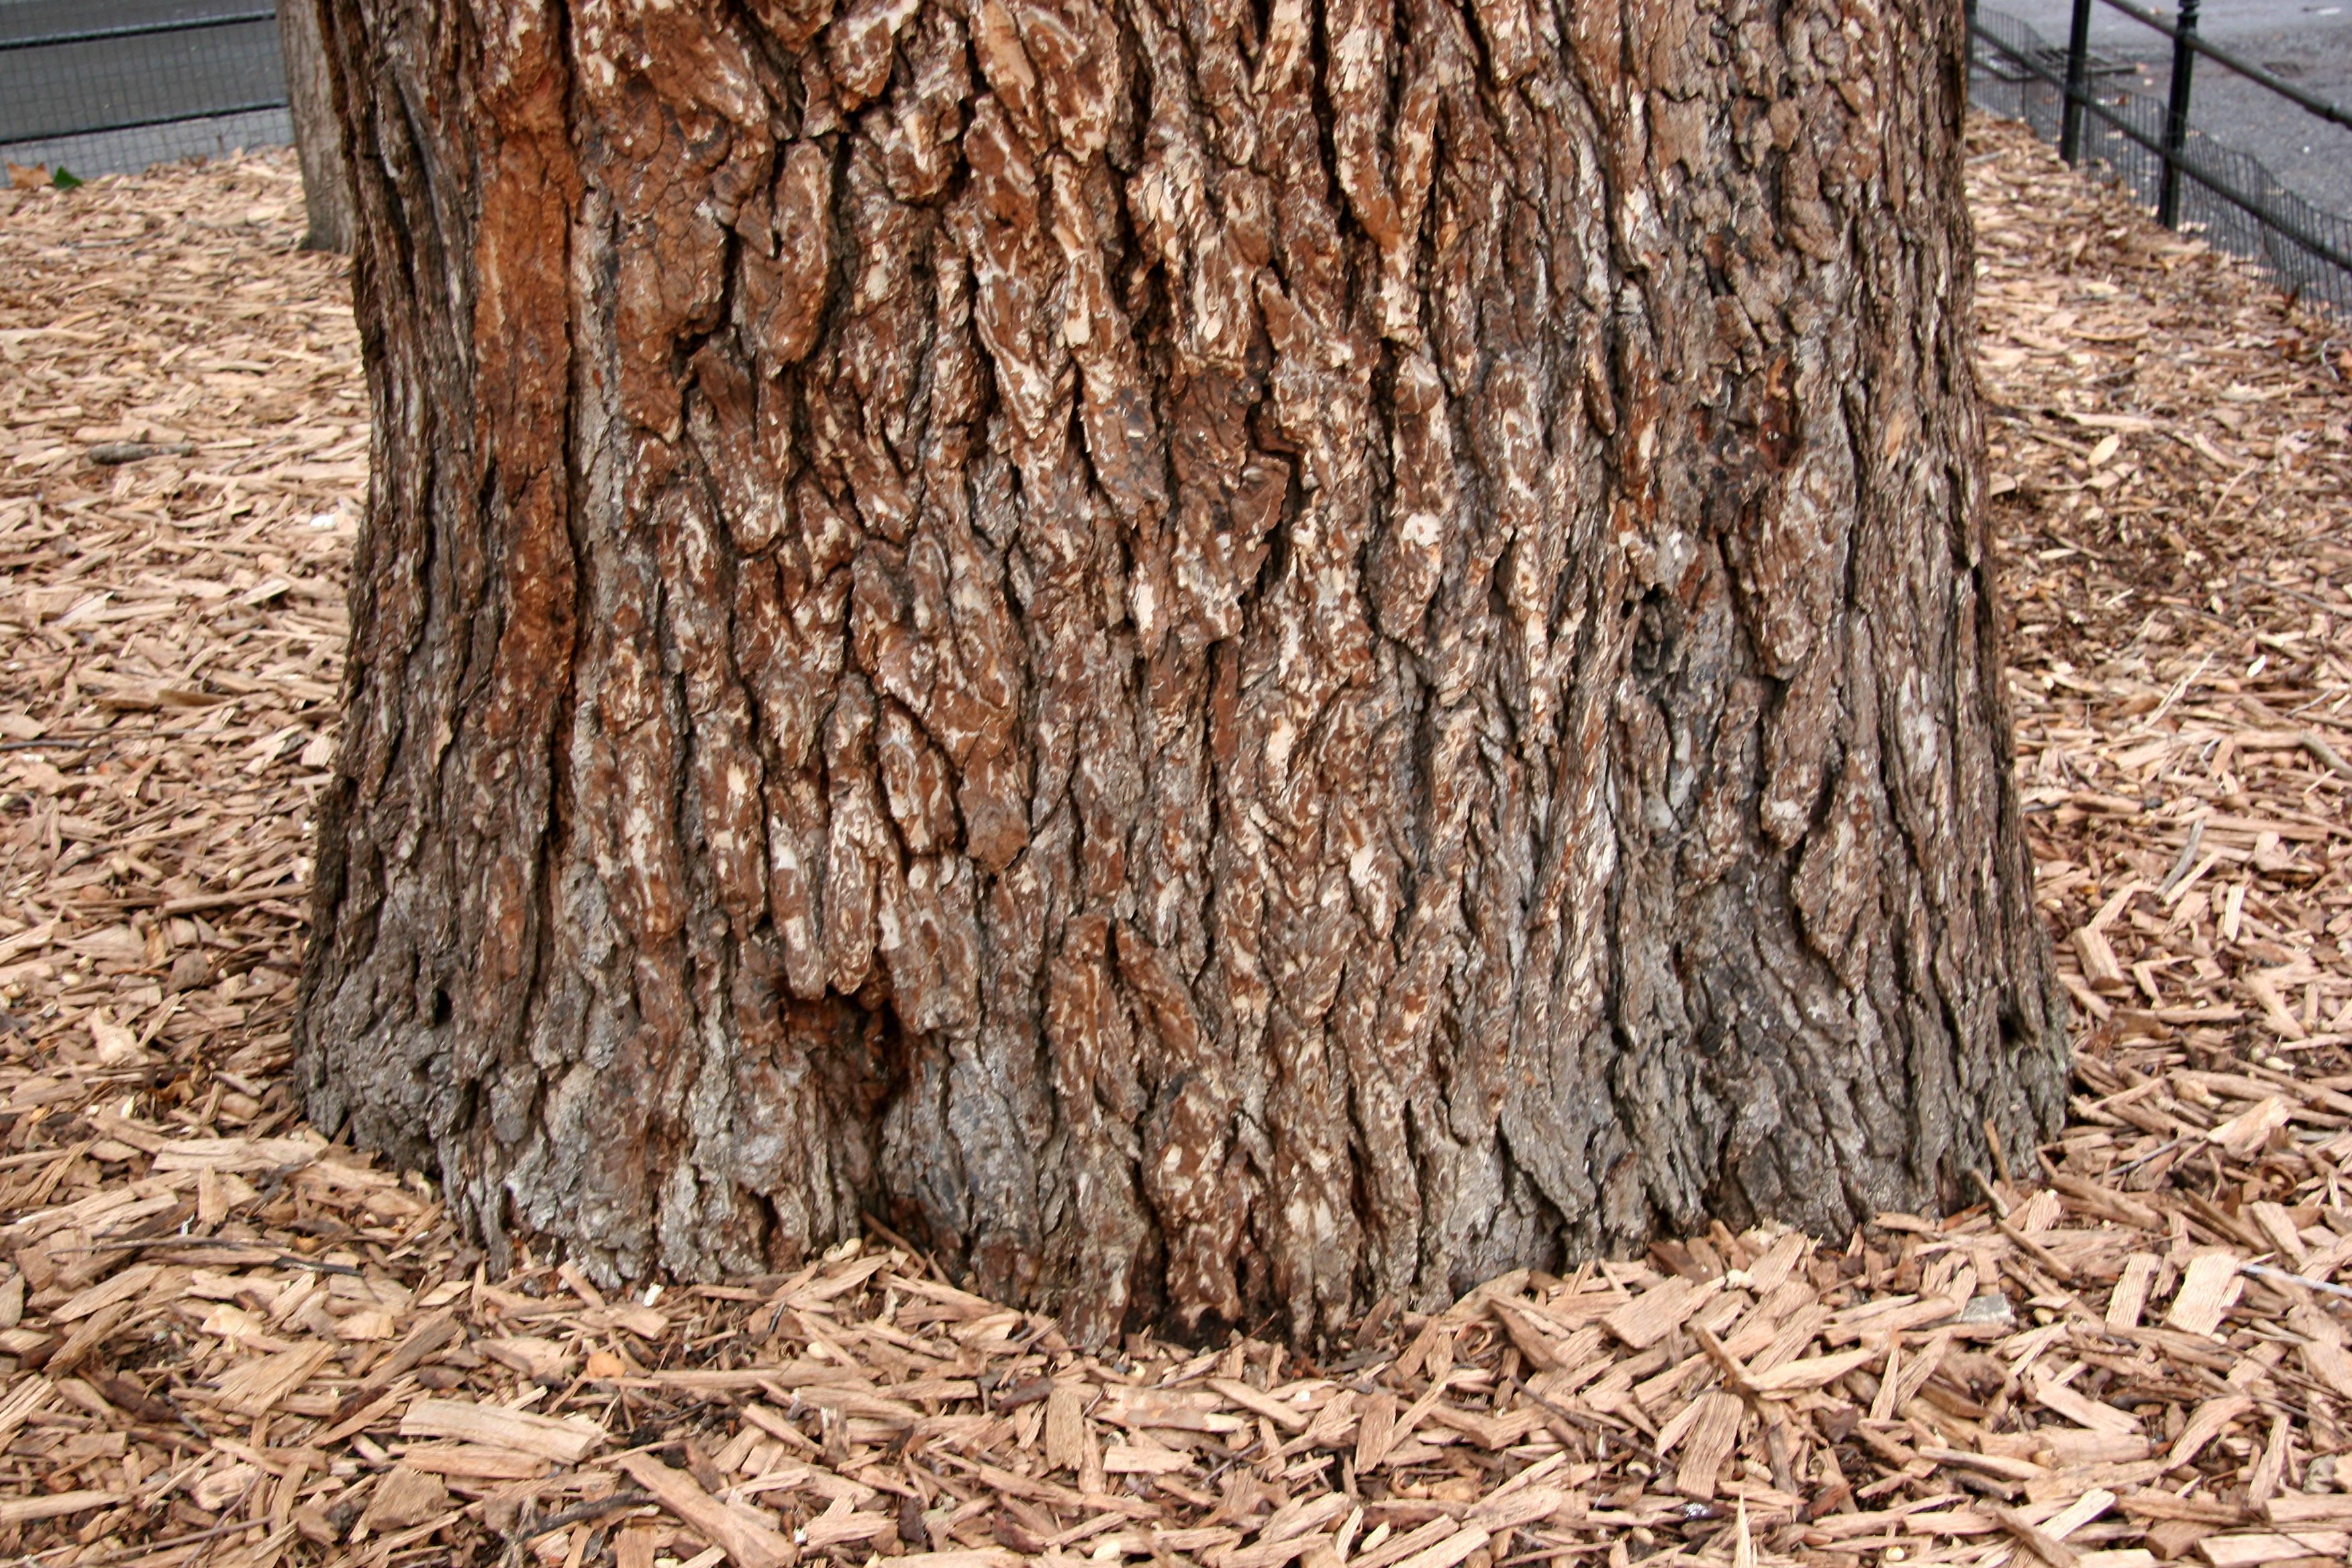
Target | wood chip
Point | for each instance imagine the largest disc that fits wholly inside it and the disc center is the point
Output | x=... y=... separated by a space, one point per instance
x=2207 y=1287
x=2246 y=1551
x=746 y=1543
x=1658 y=1312
x=565 y=1440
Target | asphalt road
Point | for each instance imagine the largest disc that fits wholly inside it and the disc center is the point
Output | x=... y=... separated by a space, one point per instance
x=54 y=90
x=2307 y=42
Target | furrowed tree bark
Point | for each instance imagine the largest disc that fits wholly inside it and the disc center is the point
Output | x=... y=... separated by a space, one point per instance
x=317 y=132
x=1223 y=659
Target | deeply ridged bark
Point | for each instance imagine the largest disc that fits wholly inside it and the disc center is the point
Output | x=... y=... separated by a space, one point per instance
x=1223 y=659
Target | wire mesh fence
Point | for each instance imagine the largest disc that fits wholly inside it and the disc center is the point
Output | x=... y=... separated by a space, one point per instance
x=2232 y=200
x=117 y=85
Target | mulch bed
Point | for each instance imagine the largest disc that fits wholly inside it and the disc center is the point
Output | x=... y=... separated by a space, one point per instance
x=226 y=1340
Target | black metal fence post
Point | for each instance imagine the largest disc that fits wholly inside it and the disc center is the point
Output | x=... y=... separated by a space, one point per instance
x=2078 y=59
x=2176 y=114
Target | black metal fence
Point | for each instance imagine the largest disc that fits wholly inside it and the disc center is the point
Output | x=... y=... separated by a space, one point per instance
x=117 y=85
x=2072 y=97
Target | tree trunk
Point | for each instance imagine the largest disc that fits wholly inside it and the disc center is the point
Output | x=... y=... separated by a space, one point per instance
x=317 y=131
x=1222 y=660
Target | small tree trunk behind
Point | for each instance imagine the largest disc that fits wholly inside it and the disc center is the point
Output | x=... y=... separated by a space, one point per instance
x=318 y=129
x=1223 y=658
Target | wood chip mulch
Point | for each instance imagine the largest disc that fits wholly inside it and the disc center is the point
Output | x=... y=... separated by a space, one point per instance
x=224 y=1341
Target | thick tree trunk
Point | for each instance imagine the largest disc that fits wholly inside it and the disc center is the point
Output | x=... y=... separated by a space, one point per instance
x=317 y=132
x=1223 y=659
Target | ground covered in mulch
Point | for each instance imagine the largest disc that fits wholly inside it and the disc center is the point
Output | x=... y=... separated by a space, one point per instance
x=224 y=1341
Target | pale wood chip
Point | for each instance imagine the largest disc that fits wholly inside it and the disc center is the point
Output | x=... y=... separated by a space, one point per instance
x=2205 y=1424
x=1281 y=1412
x=747 y=1544
x=1659 y=1311
x=256 y=1386
x=2209 y=1286
x=2129 y=1297
x=566 y=1440
x=1709 y=1444
x=2246 y=1551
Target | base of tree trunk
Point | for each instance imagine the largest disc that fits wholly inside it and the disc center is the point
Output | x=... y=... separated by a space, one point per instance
x=1224 y=662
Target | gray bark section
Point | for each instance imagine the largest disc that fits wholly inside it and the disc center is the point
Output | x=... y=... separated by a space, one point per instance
x=1225 y=662
x=318 y=134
